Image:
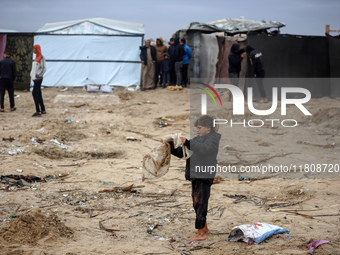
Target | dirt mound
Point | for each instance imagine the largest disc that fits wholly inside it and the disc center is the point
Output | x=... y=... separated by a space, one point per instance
x=329 y=118
x=34 y=225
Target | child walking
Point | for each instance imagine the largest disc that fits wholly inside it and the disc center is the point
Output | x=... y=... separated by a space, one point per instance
x=205 y=148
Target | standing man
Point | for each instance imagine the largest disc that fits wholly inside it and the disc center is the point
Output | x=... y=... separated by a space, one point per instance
x=255 y=57
x=8 y=73
x=235 y=58
x=160 y=49
x=171 y=51
x=178 y=60
x=148 y=57
x=186 y=58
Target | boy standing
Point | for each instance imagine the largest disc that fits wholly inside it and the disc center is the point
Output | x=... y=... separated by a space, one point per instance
x=205 y=148
x=165 y=70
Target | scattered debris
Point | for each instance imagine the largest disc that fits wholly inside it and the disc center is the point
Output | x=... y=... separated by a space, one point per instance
x=151 y=228
x=132 y=139
x=10 y=139
x=315 y=244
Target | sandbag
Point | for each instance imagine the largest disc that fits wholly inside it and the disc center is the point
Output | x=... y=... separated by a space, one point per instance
x=157 y=162
x=255 y=232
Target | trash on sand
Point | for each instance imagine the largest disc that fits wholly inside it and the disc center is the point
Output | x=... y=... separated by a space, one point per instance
x=106 y=89
x=255 y=232
x=61 y=145
x=163 y=124
x=118 y=189
x=132 y=139
x=92 y=88
x=8 y=139
x=235 y=196
x=130 y=89
x=41 y=129
x=68 y=121
x=313 y=245
x=16 y=151
x=152 y=227
x=243 y=178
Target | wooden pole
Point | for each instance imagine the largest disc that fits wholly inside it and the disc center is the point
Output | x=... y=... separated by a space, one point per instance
x=329 y=30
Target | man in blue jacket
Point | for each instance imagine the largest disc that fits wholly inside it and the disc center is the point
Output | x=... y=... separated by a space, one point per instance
x=8 y=73
x=186 y=58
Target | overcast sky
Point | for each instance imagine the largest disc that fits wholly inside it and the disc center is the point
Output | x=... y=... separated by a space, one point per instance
x=162 y=18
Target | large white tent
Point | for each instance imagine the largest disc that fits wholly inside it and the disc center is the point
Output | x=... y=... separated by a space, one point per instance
x=91 y=51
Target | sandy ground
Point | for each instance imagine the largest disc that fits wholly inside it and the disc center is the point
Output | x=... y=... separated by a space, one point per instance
x=88 y=205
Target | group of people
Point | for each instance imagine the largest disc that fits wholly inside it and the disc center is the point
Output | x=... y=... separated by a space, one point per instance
x=8 y=73
x=235 y=58
x=165 y=66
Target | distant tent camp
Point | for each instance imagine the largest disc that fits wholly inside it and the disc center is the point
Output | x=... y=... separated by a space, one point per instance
x=91 y=51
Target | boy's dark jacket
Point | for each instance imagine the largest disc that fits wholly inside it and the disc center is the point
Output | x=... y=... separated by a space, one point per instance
x=166 y=65
x=205 y=151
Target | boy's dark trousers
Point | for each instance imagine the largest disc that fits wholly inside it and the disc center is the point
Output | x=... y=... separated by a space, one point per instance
x=166 y=79
x=6 y=85
x=200 y=196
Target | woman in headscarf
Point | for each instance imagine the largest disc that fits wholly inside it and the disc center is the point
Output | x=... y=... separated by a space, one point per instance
x=37 y=73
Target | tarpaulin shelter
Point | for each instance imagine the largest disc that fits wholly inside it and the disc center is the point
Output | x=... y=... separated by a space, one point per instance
x=20 y=46
x=306 y=61
x=91 y=51
x=211 y=42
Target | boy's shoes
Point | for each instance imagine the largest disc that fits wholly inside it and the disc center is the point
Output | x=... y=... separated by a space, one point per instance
x=36 y=114
x=2 y=110
x=43 y=112
x=13 y=109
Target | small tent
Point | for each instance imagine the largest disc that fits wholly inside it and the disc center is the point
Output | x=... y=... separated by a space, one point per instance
x=91 y=51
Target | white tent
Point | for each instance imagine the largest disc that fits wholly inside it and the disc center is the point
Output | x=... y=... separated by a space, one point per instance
x=91 y=51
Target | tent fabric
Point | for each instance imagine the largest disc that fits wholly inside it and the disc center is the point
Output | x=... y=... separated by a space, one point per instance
x=301 y=60
x=3 y=41
x=290 y=56
x=21 y=46
x=209 y=56
x=92 y=51
x=222 y=67
x=93 y=26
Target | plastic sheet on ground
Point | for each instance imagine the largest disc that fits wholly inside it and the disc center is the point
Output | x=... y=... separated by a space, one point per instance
x=254 y=232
